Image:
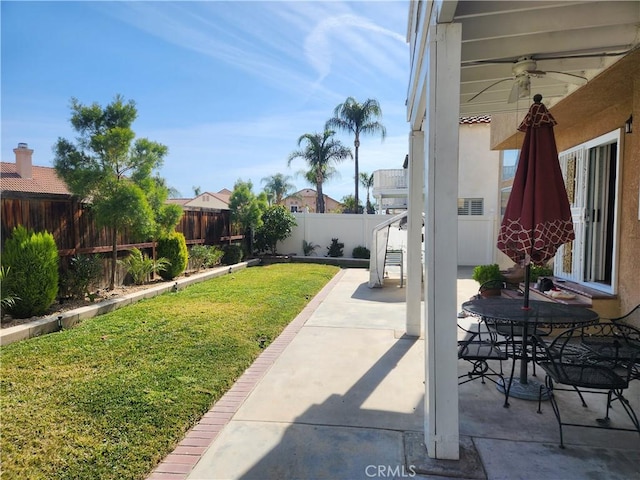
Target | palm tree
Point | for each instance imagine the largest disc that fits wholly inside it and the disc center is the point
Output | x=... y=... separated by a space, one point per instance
x=277 y=187
x=366 y=180
x=320 y=152
x=357 y=118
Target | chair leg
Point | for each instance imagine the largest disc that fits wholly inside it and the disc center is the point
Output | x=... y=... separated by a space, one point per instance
x=554 y=405
x=627 y=408
x=584 y=404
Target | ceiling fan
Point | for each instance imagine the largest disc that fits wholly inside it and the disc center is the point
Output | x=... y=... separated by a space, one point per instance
x=523 y=69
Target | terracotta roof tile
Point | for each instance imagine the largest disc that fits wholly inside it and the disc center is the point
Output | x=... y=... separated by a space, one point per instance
x=475 y=119
x=44 y=180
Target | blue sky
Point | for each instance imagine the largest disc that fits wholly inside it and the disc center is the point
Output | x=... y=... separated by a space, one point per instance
x=227 y=86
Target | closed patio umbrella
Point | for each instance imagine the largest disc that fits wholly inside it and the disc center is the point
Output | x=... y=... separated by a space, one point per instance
x=537 y=219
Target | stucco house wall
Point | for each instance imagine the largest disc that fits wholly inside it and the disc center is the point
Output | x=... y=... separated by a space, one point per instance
x=478 y=177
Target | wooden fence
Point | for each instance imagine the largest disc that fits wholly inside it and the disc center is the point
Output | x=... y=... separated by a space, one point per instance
x=72 y=225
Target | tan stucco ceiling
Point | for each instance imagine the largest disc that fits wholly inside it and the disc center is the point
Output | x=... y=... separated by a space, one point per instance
x=582 y=38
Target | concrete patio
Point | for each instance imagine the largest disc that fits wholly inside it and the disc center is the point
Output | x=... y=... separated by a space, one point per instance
x=339 y=395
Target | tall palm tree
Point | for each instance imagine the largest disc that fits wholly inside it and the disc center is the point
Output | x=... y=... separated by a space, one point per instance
x=321 y=152
x=366 y=180
x=278 y=186
x=358 y=118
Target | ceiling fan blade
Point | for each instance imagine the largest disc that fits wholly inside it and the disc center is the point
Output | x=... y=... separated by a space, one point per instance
x=487 y=88
x=567 y=77
x=515 y=92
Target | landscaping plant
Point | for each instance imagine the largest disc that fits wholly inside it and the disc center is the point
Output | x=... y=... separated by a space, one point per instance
x=335 y=249
x=83 y=275
x=7 y=298
x=33 y=260
x=485 y=273
x=173 y=247
x=361 y=252
x=140 y=266
x=277 y=225
x=202 y=256
x=309 y=248
x=232 y=254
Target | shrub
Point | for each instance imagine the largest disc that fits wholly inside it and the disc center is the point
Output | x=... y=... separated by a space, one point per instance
x=174 y=248
x=309 y=248
x=205 y=256
x=198 y=256
x=485 y=273
x=335 y=249
x=140 y=266
x=537 y=271
x=232 y=254
x=214 y=256
x=33 y=259
x=7 y=297
x=361 y=252
x=84 y=274
x=277 y=225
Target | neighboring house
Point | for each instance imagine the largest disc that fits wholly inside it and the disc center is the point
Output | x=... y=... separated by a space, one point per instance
x=34 y=196
x=305 y=201
x=218 y=201
x=37 y=198
x=479 y=178
x=22 y=178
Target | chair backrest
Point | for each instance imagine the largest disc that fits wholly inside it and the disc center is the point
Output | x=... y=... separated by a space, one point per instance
x=393 y=257
x=630 y=318
x=566 y=351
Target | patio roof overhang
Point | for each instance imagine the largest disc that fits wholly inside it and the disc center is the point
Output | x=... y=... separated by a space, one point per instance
x=580 y=38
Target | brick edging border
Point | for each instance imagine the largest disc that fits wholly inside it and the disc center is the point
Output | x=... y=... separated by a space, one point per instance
x=179 y=463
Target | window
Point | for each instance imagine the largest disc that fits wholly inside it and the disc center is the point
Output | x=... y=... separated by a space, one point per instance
x=592 y=178
x=471 y=206
x=504 y=199
x=509 y=163
x=294 y=209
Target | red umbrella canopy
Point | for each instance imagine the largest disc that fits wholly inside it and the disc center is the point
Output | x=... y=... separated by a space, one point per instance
x=537 y=220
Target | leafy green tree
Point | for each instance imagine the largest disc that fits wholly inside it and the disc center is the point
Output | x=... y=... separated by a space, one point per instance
x=366 y=180
x=349 y=205
x=111 y=170
x=321 y=151
x=358 y=118
x=246 y=209
x=277 y=187
x=277 y=225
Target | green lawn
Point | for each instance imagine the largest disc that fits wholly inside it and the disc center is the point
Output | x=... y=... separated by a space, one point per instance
x=111 y=397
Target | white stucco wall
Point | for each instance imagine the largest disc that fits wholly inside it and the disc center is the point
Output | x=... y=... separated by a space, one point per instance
x=351 y=229
x=478 y=177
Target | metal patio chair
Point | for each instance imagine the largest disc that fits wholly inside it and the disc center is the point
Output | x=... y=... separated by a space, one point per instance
x=479 y=347
x=586 y=374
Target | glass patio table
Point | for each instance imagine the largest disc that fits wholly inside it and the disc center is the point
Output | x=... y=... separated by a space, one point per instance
x=511 y=311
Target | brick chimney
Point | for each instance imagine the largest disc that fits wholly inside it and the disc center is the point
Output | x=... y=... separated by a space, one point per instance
x=24 y=161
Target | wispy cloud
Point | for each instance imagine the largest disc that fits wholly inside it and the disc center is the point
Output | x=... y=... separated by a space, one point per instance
x=343 y=33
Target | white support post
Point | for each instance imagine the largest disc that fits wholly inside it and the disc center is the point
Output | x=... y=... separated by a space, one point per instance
x=414 y=233
x=441 y=232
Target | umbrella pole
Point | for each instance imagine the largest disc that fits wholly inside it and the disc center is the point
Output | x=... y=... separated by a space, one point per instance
x=527 y=271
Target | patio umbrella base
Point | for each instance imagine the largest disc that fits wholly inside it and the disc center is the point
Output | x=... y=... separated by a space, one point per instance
x=525 y=391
